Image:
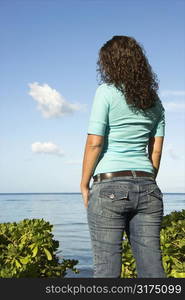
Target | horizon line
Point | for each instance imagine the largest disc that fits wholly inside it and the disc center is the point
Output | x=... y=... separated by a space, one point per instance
x=69 y=193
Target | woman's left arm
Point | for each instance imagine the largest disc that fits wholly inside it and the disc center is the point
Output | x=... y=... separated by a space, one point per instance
x=93 y=148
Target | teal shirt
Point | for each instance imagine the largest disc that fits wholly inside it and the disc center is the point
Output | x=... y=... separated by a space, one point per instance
x=126 y=131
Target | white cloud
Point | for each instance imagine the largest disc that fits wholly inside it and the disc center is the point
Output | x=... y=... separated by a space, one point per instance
x=171 y=104
x=50 y=102
x=175 y=106
x=47 y=148
x=166 y=93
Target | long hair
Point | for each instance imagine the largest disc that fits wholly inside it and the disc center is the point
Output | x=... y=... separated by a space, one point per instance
x=123 y=63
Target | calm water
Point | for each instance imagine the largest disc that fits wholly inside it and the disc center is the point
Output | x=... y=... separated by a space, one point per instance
x=68 y=215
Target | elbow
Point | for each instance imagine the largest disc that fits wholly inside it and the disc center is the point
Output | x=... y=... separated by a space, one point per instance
x=95 y=142
x=95 y=146
x=157 y=152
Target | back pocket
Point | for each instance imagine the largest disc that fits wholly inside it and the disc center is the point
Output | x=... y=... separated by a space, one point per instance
x=114 y=192
x=113 y=198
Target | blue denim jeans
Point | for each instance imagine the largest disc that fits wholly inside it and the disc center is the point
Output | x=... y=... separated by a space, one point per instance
x=132 y=204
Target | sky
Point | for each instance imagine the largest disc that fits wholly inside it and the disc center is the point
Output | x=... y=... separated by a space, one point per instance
x=48 y=55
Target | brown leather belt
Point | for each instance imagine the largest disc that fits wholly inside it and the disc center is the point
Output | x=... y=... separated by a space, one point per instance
x=133 y=173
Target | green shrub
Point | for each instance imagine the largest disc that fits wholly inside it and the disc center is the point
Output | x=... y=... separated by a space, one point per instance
x=128 y=261
x=172 y=237
x=174 y=216
x=27 y=249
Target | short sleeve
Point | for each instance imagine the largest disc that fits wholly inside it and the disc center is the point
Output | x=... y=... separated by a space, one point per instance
x=99 y=113
x=159 y=128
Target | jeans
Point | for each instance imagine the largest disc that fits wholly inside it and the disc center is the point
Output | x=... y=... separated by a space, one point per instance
x=132 y=204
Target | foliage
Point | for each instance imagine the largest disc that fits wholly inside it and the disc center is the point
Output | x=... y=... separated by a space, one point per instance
x=173 y=249
x=172 y=237
x=174 y=216
x=27 y=249
x=128 y=261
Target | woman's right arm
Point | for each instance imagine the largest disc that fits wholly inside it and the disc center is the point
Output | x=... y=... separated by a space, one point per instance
x=155 y=147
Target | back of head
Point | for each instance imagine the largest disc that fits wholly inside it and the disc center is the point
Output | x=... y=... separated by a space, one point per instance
x=122 y=62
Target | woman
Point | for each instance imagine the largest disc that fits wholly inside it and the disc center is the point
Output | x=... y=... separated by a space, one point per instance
x=127 y=118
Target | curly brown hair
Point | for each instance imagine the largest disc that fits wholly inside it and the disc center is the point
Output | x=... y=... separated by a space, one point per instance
x=122 y=62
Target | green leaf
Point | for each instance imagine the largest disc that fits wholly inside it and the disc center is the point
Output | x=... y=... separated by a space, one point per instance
x=31 y=246
x=18 y=265
x=48 y=254
x=177 y=274
x=24 y=260
x=166 y=258
x=35 y=250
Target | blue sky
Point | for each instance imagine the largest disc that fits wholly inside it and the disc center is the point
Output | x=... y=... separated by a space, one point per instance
x=48 y=76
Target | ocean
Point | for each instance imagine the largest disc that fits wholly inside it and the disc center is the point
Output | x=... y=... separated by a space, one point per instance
x=68 y=215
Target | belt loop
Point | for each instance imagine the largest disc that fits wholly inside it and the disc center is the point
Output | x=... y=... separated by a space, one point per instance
x=133 y=173
x=98 y=177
